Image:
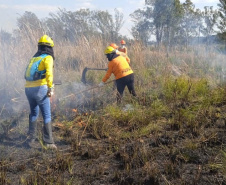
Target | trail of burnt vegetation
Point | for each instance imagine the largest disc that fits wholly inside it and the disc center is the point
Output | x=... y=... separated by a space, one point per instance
x=173 y=134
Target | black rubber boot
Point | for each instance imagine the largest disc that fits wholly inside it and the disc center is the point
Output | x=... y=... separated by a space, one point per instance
x=47 y=133
x=48 y=136
x=32 y=130
x=32 y=134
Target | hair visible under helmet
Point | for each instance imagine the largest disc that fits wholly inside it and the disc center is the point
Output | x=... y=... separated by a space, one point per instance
x=110 y=52
x=45 y=46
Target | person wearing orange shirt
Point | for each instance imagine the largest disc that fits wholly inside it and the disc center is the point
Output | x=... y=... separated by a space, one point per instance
x=123 y=47
x=119 y=52
x=122 y=71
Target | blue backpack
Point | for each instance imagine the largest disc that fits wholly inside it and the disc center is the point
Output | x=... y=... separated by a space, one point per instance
x=32 y=73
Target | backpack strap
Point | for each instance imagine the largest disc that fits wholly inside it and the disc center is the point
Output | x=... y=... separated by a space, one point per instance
x=32 y=73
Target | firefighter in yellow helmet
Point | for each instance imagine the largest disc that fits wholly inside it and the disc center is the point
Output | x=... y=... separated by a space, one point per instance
x=123 y=47
x=39 y=88
x=122 y=71
x=119 y=52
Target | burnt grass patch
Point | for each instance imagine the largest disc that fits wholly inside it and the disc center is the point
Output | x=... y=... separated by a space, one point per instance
x=178 y=138
x=167 y=159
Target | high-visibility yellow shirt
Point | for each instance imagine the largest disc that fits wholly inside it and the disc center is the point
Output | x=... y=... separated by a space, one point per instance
x=45 y=64
x=119 y=67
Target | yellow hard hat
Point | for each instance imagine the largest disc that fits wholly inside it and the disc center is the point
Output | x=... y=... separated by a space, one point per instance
x=109 y=50
x=46 y=40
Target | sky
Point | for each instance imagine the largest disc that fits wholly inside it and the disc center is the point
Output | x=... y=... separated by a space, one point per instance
x=10 y=10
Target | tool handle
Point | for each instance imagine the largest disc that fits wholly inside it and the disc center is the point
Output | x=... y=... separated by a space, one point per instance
x=96 y=86
x=98 y=69
x=57 y=82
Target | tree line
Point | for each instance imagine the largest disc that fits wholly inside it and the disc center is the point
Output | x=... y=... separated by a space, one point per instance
x=171 y=22
x=164 y=22
x=67 y=25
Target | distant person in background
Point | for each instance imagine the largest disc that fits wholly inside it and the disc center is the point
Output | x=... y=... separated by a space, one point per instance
x=122 y=71
x=123 y=47
x=39 y=88
x=119 y=52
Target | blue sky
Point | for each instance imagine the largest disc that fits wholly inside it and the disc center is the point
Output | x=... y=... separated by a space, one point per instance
x=11 y=9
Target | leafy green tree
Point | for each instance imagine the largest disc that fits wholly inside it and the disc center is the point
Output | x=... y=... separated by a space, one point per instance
x=84 y=22
x=174 y=17
x=222 y=21
x=28 y=21
x=210 y=17
x=5 y=37
x=118 y=21
x=159 y=18
x=54 y=25
x=29 y=26
x=108 y=25
x=143 y=27
x=191 y=23
x=70 y=25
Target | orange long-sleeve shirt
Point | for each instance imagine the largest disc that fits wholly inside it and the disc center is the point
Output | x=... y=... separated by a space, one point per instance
x=119 y=67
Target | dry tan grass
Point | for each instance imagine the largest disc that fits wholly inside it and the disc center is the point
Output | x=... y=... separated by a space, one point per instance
x=136 y=140
x=71 y=58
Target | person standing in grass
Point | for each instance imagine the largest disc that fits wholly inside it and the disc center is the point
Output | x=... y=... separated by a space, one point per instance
x=122 y=71
x=39 y=88
x=123 y=47
x=119 y=52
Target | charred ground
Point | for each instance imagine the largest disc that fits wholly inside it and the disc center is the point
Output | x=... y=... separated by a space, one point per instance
x=173 y=134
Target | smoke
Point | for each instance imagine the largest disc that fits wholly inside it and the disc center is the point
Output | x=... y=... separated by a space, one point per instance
x=14 y=104
x=74 y=95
